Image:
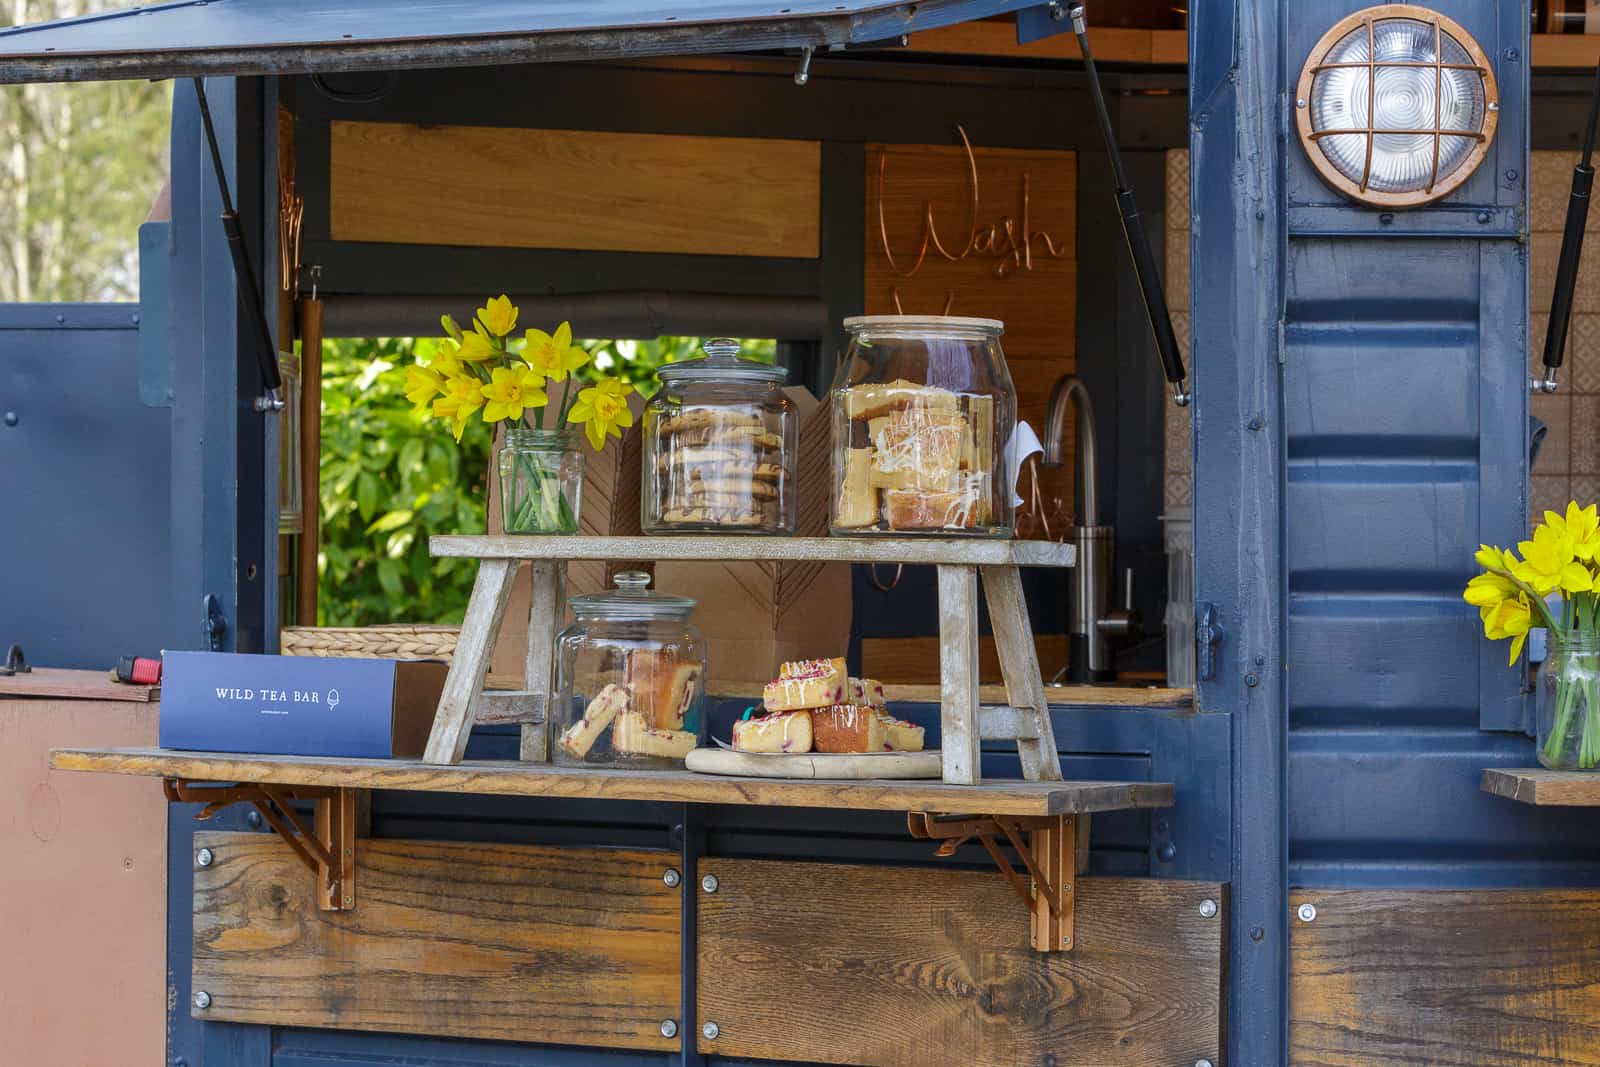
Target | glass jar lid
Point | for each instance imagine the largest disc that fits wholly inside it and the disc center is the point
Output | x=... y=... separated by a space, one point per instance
x=923 y=325
x=631 y=600
x=721 y=363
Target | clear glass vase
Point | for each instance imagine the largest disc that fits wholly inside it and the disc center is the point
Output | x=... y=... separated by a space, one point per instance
x=1569 y=702
x=541 y=480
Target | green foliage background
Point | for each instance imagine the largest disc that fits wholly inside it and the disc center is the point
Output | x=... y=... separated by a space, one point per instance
x=391 y=477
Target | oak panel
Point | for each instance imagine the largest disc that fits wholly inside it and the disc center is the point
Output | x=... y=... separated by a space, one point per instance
x=911 y=967
x=915 y=660
x=584 y=189
x=1481 y=978
x=509 y=942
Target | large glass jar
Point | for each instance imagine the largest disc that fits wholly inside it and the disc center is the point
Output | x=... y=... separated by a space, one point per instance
x=630 y=680
x=1568 y=700
x=719 y=447
x=923 y=408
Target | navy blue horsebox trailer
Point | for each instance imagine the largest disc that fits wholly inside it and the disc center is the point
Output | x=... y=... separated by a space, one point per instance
x=1206 y=759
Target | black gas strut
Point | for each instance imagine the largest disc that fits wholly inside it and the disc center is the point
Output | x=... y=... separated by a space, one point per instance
x=1144 y=262
x=244 y=276
x=1555 y=337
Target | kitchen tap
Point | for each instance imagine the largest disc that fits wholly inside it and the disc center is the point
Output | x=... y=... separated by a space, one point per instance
x=1093 y=620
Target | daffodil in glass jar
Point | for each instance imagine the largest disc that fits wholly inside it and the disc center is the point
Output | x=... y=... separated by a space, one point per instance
x=1562 y=557
x=487 y=373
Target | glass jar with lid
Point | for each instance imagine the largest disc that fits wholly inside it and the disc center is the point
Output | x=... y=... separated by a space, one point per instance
x=630 y=680
x=719 y=447
x=923 y=408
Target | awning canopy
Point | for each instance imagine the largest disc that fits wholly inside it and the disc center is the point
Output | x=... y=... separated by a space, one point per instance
x=253 y=37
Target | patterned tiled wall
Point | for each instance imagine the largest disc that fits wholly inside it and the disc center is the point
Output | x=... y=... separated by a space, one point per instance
x=1569 y=462
x=1179 y=480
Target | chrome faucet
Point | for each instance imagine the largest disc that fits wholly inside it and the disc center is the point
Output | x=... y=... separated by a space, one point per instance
x=1093 y=621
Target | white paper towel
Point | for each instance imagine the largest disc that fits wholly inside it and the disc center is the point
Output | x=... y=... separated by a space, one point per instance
x=1024 y=443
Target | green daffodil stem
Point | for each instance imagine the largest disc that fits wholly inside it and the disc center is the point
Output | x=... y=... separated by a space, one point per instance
x=1565 y=691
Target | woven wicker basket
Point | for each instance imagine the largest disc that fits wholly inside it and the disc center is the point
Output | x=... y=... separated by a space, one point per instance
x=371 y=642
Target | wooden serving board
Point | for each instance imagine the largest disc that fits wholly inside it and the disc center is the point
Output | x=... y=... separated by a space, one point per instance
x=816 y=764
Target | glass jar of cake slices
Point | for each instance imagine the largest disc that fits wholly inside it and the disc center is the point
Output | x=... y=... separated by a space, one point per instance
x=630 y=680
x=923 y=408
x=719 y=447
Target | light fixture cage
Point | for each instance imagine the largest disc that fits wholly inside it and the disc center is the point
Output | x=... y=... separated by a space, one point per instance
x=1396 y=105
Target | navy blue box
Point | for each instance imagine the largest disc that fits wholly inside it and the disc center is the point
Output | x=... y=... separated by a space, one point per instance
x=298 y=705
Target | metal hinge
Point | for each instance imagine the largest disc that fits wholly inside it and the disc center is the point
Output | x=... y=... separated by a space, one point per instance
x=1207 y=636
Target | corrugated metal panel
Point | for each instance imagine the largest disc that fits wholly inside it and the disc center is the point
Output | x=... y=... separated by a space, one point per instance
x=241 y=37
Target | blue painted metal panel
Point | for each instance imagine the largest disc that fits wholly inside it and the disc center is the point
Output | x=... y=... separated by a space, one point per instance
x=84 y=523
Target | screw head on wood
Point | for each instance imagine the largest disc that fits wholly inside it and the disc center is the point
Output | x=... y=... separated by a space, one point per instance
x=669 y=1028
x=1308 y=913
x=670 y=877
x=1208 y=908
x=710 y=1031
x=202 y=999
x=204 y=857
x=710 y=884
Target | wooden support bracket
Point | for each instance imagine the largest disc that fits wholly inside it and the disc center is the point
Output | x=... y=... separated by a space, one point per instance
x=1051 y=853
x=328 y=846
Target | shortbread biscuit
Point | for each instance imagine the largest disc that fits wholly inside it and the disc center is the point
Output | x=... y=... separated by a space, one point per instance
x=708 y=418
x=708 y=516
x=872 y=399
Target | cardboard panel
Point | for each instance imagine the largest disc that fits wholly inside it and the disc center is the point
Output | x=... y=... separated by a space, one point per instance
x=619 y=192
x=912 y=967
x=1479 y=978
x=82 y=891
x=510 y=942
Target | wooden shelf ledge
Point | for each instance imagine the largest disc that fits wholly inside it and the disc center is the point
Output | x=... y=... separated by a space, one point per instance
x=512 y=778
x=1535 y=785
x=949 y=551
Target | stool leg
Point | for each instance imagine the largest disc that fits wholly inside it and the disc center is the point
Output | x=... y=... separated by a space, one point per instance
x=958 y=673
x=452 y=724
x=545 y=611
x=1019 y=665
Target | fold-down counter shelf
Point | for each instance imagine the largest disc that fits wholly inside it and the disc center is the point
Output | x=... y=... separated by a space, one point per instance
x=1039 y=819
x=1535 y=785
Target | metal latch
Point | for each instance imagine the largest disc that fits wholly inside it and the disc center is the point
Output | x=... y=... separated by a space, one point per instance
x=1207 y=636
x=215 y=624
x=15 y=662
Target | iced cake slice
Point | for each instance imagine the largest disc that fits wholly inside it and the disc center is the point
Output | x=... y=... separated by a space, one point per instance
x=633 y=735
x=784 y=731
x=811 y=683
x=866 y=691
x=579 y=737
x=847 y=728
x=899 y=735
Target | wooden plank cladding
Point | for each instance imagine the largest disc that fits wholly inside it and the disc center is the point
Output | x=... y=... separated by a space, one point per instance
x=1481 y=978
x=505 y=942
x=917 y=967
x=579 y=189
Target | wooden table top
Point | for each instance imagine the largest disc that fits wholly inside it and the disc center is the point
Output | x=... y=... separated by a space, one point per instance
x=511 y=778
x=972 y=551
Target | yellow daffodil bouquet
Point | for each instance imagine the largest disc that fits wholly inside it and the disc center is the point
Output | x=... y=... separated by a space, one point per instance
x=488 y=373
x=1511 y=596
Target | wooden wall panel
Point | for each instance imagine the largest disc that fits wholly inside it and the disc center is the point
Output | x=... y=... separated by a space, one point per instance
x=1419 y=978
x=1025 y=199
x=916 y=659
x=617 y=192
x=912 y=967
x=509 y=942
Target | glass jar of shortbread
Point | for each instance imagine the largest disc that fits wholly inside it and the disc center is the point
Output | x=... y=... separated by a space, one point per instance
x=923 y=408
x=719 y=447
x=630 y=680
